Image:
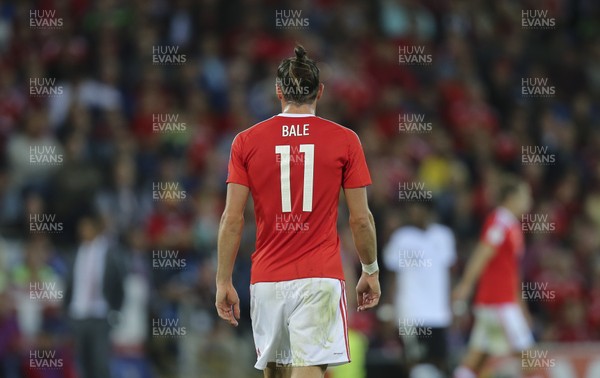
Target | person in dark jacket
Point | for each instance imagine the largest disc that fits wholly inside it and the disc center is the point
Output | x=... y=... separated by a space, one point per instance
x=93 y=296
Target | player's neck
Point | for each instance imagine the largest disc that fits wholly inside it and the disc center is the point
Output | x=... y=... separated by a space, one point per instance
x=511 y=210
x=298 y=109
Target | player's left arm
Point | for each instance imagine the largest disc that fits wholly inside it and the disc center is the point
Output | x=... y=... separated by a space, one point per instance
x=230 y=234
x=478 y=261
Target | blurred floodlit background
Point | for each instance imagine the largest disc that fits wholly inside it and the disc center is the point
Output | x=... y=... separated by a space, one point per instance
x=116 y=119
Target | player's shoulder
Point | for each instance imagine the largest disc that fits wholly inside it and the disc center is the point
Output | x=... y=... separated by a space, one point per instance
x=405 y=232
x=501 y=217
x=257 y=127
x=349 y=133
x=441 y=229
x=505 y=216
x=332 y=129
x=331 y=123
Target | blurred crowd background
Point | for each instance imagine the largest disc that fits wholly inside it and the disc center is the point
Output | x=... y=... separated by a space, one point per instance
x=112 y=158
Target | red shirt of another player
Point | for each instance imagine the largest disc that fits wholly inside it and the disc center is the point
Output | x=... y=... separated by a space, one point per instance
x=294 y=165
x=500 y=280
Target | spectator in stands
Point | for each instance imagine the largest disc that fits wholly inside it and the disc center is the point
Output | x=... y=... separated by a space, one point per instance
x=94 y=294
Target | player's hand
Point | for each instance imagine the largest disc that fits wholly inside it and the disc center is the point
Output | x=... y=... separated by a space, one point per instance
x=368 y=291
x=228 y=303
x=461 y=293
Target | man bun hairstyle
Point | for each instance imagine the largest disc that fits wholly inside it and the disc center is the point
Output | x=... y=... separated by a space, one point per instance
x=300 y=52
x=298 y=78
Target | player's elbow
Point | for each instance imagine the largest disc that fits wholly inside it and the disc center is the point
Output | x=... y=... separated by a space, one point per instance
x=360 y=222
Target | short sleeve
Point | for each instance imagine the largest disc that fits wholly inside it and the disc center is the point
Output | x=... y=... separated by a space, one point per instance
x=356 y=173
x=449 y=245
x=236 y=171
x=451 y=248
x=391 y=258
x=494 y=235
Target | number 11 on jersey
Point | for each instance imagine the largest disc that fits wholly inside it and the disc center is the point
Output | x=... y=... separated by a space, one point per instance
x=309 y=162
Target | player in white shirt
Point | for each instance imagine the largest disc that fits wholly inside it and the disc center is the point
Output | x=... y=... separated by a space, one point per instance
x=421 y=255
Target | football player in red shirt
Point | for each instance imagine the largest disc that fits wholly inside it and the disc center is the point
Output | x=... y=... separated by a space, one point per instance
x=294 y=164
x=501 y=326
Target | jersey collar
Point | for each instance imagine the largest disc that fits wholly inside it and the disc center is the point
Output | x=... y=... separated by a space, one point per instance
x=507 y=213
x=295 y=115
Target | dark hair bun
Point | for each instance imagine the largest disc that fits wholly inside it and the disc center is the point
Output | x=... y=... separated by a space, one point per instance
x=300 y=52
x=298 y=77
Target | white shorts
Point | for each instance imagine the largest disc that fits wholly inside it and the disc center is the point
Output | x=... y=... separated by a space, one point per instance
x=500 y=329
x=300 y=322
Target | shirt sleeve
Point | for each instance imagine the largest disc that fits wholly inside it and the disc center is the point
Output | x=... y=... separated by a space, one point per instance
x=356 y=173
x=237 y=172
x=494 y=234
x=391 y=258
x=451 y=242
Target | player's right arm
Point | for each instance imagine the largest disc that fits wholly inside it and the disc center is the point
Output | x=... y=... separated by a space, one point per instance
x=362 y=226
x=478 y=261
x=227 y=301
x=230 y=233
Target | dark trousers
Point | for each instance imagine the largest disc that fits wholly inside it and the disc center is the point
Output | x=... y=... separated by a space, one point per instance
x=435 y=346
x=92 y=347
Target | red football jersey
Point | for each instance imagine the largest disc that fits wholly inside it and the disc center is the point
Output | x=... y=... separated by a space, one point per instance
x=500 y=280
x=295 y=165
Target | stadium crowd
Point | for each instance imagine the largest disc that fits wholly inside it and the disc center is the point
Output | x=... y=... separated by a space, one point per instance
x=145 y=98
